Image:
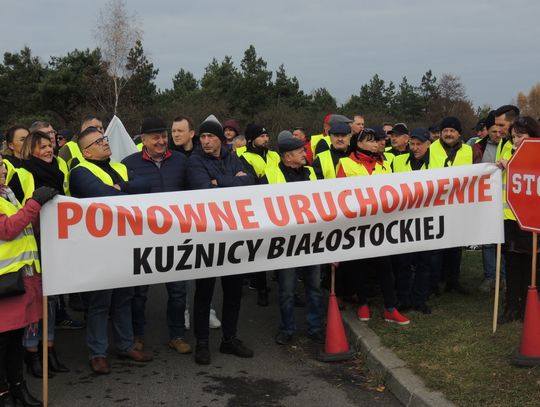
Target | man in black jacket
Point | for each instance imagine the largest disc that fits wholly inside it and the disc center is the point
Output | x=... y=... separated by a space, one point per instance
x=95 y=175
x=215 y=166
x=165 y=171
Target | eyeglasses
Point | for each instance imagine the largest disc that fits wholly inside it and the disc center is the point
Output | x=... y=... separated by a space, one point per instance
x=51 y=133
x=98 y=141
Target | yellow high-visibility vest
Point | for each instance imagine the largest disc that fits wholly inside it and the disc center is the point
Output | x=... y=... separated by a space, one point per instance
x=402 y=163
x=75 y=152
x=28 y=184
x=274 y=175
x=438 y=157
x=240 y=150
x=504 y=148
x=508 y=214
x=120 y=168
x=21 y=251
x=258 y=163
x=352 y=168
x=327 y=164
x=10 y=170
x=389 y=158
x=314 y=140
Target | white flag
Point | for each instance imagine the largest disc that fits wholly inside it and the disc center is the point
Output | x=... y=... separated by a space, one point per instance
x=120 y=141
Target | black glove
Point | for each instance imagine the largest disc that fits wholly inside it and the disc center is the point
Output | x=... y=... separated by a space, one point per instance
x=44 y=194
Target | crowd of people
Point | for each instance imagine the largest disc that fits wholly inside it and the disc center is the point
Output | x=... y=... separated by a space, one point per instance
x=38 y=163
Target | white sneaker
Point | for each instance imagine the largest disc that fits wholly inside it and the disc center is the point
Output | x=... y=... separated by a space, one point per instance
x=214 y=321
x=186 y=319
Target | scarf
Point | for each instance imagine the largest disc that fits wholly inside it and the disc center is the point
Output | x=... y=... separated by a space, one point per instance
x=451 y=151
x=45 y=174
x=368 y=159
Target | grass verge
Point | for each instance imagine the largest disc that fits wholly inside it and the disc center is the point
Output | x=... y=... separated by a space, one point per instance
x=453 y=349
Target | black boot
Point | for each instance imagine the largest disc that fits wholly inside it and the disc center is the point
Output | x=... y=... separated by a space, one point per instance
x=21 y=394
x=33 y=364
x=6 y=400
x=54 y=364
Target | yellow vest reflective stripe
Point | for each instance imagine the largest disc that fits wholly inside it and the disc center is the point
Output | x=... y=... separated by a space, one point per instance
x=438 y=157
x=353 y=169
x=314 y=140
x=10 y=170
x=274 y=175
x=258 y=163
x=327 y=164
x=20 y=251
x=74 y=150
x=140 y=146
x=240 y=150
x=120 y=168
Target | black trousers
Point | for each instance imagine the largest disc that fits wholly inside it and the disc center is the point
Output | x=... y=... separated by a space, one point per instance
x=518 y=279
x=11 y=358
x=446 y=266
x=232 y=297
x=382 y=266
x=401 y=267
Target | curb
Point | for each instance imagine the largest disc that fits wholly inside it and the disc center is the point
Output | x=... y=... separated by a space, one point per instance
x=408 y=388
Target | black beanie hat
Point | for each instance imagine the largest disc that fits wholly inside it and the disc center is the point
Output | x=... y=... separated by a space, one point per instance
x=452 y=123
x=213 y=127
x=253 y=131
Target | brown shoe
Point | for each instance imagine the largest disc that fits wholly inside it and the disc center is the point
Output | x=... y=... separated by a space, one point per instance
x=180 y=345
x=100 y=365
x=139 y=344
x=136 y=356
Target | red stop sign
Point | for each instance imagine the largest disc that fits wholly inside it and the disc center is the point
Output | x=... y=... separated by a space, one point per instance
x=523 y=185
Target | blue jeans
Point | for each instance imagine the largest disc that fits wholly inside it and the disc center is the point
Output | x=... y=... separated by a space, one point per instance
x=489 y=260
x=312 y=283
x=31 y=338
x=118 y=302
x=176 y=305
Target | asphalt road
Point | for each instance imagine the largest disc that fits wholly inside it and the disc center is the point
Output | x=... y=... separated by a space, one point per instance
x=276 y=376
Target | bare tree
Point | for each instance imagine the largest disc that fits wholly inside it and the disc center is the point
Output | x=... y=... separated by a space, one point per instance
x=116 y=33
x=451 y=88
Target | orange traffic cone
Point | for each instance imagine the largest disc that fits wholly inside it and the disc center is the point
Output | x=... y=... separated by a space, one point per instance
x=529 y=353
x=336 y=347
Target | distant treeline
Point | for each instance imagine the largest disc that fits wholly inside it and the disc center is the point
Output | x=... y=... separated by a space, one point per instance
x=70 y=86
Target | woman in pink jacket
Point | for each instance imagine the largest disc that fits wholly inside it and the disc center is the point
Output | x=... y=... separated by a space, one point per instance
x=18 y=254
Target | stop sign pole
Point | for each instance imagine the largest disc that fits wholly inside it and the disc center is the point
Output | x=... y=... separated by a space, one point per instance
x=523 y=197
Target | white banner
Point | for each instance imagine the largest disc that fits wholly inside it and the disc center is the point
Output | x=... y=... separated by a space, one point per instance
x=109 y=242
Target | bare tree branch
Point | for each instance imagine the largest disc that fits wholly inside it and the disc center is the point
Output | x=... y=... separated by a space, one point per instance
x=116 y=33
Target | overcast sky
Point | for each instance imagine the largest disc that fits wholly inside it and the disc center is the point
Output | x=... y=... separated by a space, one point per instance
x=492 y=45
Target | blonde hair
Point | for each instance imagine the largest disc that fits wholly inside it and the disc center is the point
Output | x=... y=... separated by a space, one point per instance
x=30 y=143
